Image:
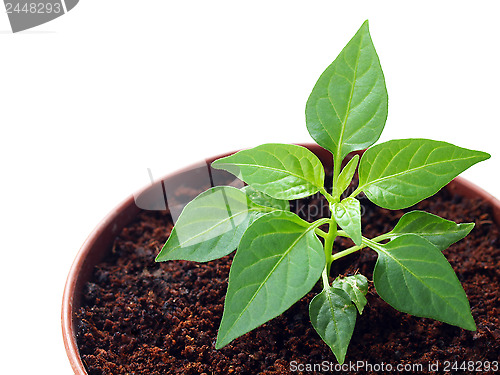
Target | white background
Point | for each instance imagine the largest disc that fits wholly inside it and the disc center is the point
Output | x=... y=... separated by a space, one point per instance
x=91 y=100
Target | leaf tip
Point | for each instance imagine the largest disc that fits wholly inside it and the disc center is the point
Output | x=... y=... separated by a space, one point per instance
x=221 y=341
x=481 y=155
x=357 y=240
x=470 y=324
x=161 y=257
x=164 y=257
x=340 y=356
x=486 y=155
x=215 y=163
x=218 y=345
x=468 y=227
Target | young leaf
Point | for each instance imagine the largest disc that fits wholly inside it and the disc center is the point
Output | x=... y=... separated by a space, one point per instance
x=347 y=214
x=356 y=287
x=279 y=170
x=211 y=225
x=347 y=108
x=399 y=173
x=346 y=175
x=278 y=261
x=440 y=232
x=414 y=277
x=265 y=200
x=333 y=316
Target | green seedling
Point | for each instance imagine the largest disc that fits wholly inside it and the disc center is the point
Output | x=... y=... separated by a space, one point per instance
x=280 y=257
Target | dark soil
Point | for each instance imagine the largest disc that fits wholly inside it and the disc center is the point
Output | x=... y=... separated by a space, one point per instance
x=141 y=317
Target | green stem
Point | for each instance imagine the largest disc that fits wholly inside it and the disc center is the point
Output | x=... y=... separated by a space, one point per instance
x=321 y=233
x=346 y=252
x=353 y=249
x=341 y=233
x=336 y=170
x=371 y=243
x=382 y=237
x=332 y=234
x=328 y=197
x=358 y=190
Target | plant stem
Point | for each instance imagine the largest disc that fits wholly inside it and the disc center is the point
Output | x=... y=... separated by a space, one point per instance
x=341 y=233
x=336 y=171
x=356 y=192
x=382 y=237
x=346 y=252
x=328 y=196
x=353 y=249
x=330 y=238
x=321 y=233
x=371 y=243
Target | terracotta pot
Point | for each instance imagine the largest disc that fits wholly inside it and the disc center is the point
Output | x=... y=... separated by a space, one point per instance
x=198 y=177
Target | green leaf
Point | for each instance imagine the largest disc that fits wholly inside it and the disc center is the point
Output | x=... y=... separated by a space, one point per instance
x=356 y=287
x=278 y=261
x=347 y=108
x=347 y=214
x=399 y=173
x=279 y=170
x=346 y=175
x=211 y=225
x=440 y=232
x=333 y=316
x=265 y=200
x=413 y=276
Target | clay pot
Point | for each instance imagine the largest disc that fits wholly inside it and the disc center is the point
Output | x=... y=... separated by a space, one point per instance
x=198 y=177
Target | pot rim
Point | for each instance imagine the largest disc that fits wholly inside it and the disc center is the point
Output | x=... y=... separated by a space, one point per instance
x=67 y=311
x=127 y=209
x=70 y=287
